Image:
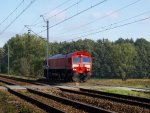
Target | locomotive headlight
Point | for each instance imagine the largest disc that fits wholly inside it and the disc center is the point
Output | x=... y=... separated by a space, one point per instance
x=88 y=69
x=74 y=69
x=81 y=55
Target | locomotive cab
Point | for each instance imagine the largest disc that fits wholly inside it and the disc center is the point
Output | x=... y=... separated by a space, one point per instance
x=81 y=65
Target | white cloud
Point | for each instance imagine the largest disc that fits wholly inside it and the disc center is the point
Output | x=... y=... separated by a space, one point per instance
x=77 y=26
x=112 y=15
x=109 y=14
x=56 y=15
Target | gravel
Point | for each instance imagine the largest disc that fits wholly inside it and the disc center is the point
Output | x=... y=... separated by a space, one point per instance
x=55 y=104
x=103 y=103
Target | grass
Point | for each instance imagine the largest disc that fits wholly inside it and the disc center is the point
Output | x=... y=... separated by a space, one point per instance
x=127 y=92
x=137 y=83
x=104 y=85
x=6 y=107
x=10 y=104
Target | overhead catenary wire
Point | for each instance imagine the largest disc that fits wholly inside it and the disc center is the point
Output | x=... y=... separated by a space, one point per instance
x=100 y=18
x=75 y=15
x=12 y=11
x=124 y=20
x=32 y=31
x=66 y=9
x=57 y=6
x=17 y=16
x=60 y=12
x=124 y=7
x=52 y=16
x=60 y=5
x=122 y=25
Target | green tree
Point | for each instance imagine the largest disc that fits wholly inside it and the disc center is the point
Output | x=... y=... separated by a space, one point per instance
x=143 y=58
x=123 y=59
x=24 y=51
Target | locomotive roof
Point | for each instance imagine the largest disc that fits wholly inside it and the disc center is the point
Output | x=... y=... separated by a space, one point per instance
x=79 y=53
x=57 y=56
x=69 y=54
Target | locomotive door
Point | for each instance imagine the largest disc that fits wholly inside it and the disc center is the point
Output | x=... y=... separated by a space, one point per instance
x=81 y=62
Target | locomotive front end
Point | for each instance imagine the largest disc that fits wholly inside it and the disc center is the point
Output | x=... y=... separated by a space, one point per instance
x=82 y=66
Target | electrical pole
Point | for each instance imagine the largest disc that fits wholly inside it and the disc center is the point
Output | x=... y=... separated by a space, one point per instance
x=47 y=53
x=0 y=64
x=47 y=24
x=8 y=58
x=28 y=47
x=28 y=42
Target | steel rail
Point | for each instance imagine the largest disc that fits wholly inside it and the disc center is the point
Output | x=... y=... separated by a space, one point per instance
x=78 y=105
x=39 y=104
x=109 y=97
x=138 y=99
x=6 y=82
x=21 y=80
x=86 y=107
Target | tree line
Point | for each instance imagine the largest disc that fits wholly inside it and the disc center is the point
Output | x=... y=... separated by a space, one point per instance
x=123 y=58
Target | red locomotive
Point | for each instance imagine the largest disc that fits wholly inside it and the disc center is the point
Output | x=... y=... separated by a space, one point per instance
x=76 y=66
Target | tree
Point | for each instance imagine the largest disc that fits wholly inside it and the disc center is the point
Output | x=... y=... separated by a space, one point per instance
x=143 y=58
x=1 y=58
x=123 y=55
x=122 y=41
x=24 y=52
x=120 y=59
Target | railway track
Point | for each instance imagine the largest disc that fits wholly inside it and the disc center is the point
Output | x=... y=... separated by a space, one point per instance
x=78 y=106
x=126 y=97
x=142 y=102
x=82 y=107
x=80 y=103
x=20 y=81
x=39 y=104
x=100 y=101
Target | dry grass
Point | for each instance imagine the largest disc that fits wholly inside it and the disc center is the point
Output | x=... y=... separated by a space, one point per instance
x=11 y=104
x=127 y=92
x=137 y=83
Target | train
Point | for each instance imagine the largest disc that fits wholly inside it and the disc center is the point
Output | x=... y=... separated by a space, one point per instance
x=76 y=66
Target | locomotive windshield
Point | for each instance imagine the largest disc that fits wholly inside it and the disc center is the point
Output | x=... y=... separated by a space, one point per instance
x=76 y=60
x=86 y=60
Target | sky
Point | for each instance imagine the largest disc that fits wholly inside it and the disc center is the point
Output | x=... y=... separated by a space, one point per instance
x=70 y=20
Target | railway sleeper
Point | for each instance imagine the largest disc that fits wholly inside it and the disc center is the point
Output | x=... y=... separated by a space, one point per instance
x=39 y=104
x=117 y=99
x=78 y=105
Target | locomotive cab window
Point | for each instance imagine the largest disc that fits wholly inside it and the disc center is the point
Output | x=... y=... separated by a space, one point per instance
x=76 y=60
x=86 y=60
